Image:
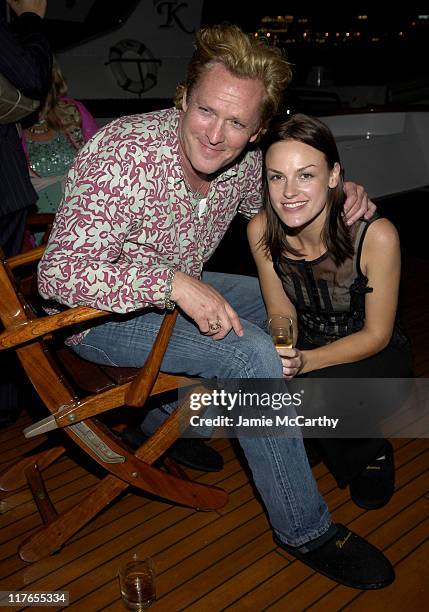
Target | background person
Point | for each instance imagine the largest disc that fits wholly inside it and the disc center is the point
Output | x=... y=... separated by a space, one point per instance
x=26 y=61
x=146 y=203
x=338 y=284
x=51 y=140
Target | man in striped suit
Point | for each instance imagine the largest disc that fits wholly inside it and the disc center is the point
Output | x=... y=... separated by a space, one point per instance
x=26 y=61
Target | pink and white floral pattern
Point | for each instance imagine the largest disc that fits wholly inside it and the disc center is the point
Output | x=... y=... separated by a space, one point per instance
x=126 y=217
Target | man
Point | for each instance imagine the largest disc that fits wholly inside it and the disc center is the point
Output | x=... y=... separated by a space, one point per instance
x=26 y=61
x=146 y=204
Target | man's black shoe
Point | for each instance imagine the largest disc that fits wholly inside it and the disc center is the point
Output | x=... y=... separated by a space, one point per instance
x=374 y=487
x=191 y=452
x=347 y=559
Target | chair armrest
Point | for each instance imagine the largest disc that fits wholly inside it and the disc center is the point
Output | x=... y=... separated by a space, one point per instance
x=21 y=331
x=40 y=219
x=26 y=258
x=26 y=331
x=134 y=393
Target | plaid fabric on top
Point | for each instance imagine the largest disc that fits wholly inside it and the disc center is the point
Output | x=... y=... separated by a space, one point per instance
x=329 y=299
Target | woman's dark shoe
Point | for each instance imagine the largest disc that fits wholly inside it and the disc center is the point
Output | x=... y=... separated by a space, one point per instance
x=347 y=559
x=191 y=452
x=374 y=487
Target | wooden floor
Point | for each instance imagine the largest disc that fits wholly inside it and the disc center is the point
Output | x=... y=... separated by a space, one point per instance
x=211 y=561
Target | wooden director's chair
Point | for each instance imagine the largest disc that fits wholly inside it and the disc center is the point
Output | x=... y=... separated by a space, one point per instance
x=32 y=337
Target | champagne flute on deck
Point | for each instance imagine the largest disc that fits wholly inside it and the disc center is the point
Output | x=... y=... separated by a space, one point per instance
x=281 y=331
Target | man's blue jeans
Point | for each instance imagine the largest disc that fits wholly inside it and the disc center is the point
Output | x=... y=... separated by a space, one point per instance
x=279 y=465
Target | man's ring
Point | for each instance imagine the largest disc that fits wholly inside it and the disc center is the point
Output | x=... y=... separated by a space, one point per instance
x=216 y=326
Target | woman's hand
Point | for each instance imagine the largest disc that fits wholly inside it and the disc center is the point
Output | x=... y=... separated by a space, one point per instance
x=292 y=361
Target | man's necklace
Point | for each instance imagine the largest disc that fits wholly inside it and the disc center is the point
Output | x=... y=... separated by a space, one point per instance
x=198 y=193
x=202 y=188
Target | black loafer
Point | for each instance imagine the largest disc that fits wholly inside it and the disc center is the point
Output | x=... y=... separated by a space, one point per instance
x=374 y=487
x=347 y=559
x=191 y=452
x=196 y=454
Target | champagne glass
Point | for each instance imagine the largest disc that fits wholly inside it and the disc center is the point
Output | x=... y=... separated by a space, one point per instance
x=281 y=331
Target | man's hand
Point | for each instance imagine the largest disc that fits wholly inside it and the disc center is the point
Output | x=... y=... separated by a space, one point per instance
x=28 y=6
x=357 y=204
x=210 y=311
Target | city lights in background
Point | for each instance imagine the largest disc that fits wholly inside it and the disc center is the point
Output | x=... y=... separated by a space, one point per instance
x=364 y=44
x=361 y=28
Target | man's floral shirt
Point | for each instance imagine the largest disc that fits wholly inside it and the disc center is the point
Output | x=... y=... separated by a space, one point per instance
x=126 y=217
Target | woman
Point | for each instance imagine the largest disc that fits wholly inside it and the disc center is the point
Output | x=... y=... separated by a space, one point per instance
x=338 y=284
x=62 y=127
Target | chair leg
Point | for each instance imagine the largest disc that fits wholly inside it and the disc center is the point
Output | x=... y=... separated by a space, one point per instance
x=15 y=477
x=137 y=469
x=41 y=497
x=174 y=468
x=172 y=487
x=50 y=538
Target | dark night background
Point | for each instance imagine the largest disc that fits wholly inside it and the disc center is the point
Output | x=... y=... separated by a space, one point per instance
x=392 y=59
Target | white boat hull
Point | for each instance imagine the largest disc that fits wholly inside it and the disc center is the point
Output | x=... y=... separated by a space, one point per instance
x=387 y=152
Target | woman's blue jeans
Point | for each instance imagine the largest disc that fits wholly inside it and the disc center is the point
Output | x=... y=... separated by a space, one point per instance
x=279 y=465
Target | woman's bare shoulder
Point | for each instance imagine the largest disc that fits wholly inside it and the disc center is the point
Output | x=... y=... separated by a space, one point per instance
x=256 y=226
x=382 y=234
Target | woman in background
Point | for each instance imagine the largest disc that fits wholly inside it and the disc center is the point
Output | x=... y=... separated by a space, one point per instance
x=62 y=127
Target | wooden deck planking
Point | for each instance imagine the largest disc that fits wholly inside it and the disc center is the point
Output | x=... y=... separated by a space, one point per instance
x=226 y=556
